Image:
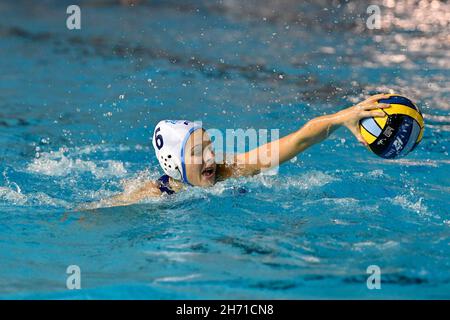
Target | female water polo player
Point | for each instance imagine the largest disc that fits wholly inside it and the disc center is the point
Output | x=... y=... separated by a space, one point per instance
x=185 y=152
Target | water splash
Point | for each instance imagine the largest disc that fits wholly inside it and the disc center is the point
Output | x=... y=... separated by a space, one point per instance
x=62 y=163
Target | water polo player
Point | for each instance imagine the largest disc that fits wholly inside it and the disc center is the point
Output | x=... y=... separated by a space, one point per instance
x=186 y=156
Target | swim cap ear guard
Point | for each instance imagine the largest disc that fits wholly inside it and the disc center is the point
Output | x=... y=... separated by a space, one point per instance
x=169 y=141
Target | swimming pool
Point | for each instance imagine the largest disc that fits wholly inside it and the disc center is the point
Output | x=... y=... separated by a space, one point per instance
x=77 y=110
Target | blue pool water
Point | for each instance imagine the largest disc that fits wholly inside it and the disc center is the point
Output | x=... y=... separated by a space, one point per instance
x=77 y=109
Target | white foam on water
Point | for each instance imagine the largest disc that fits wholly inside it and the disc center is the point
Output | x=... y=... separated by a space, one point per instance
x=103 y=148
x=175 y=256
x=12 y=196
x=340 y=222
x=408 y=162
x=310 y=259
x=342 y=203
x=361 y=246
x=16 y=197
x=61 y=163
x=309 y=180
x=416 y=206
x=217 y=189
x=303 y=182
x=438 y=118
x=377 y=173
x=389 y=245
x=405 y=203
x=178 y=279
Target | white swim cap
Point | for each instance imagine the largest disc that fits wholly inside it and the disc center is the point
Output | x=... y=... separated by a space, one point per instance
x=169 y=140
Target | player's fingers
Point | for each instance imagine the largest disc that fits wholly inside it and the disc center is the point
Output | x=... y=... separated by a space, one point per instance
x=373 y=113
x=376 y=106
x=358 y=136
x=379 y=96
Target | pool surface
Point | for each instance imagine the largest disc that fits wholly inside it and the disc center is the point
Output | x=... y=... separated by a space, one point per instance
x=77 y=110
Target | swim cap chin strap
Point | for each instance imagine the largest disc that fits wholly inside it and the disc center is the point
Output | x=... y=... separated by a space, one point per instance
x=169 y=141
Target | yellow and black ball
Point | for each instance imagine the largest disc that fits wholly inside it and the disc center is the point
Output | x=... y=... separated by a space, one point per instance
x=398 y=132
